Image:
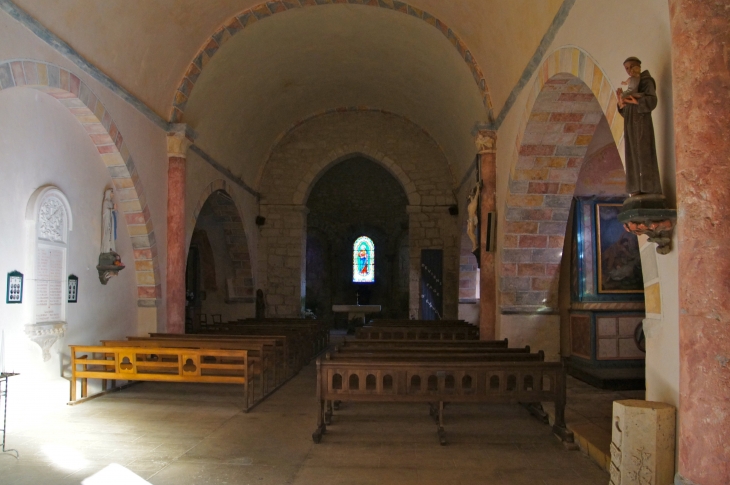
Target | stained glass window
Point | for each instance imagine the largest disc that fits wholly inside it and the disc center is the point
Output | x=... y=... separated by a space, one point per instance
x=363 y=260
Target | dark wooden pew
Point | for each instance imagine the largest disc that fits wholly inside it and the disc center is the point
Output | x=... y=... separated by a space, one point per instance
x=450 y=379
x=415 y=332
x=278 y=342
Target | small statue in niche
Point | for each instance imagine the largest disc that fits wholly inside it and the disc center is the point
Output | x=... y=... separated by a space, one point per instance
x=472 y=217
x=110 y=262
x=635 y=105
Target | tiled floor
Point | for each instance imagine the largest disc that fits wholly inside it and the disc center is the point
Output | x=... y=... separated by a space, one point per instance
x=196 y=434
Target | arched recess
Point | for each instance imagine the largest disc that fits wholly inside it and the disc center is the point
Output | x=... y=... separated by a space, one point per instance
x=266 y=9
x=216 y=200
x=570 y=96
x=315 y=172
x=75 y=95
x=295 y=165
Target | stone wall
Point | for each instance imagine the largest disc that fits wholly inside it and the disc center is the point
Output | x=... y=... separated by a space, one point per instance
x=282 y=259
x=304 y=154
x=356 y=197
x=432 y=227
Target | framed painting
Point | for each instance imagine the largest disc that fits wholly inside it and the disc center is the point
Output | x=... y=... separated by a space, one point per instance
x=618 y=258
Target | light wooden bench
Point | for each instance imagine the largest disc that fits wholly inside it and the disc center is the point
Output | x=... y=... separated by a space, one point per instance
x=160 y=364
x=341 y=378
x=260 y=356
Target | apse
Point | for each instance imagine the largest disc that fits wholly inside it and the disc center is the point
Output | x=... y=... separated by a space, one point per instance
x=357 y=240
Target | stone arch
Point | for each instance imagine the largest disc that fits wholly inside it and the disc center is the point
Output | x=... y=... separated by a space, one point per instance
x=428 y=182
x=229 y=215
x=79 y=99
x=568 y=99
x=263 y=10
x=349 y=151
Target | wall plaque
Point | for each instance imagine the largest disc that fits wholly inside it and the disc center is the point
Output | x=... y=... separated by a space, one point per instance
x=49 y=283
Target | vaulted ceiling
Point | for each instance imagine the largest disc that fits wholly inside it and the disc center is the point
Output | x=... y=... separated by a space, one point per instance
x=291 y=65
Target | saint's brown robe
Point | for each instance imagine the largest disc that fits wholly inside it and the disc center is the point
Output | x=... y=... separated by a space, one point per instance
x=642 y=168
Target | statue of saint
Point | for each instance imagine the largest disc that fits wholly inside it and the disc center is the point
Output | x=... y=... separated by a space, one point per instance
x=472 y=218
x=108 y=223
x=636 y=105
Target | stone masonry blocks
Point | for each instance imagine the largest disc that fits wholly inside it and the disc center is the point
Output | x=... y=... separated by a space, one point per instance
x=567 y=100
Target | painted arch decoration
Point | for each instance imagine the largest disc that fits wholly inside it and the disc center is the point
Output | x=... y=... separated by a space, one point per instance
x=363 y=260
x=78 y=98
x=267 y=9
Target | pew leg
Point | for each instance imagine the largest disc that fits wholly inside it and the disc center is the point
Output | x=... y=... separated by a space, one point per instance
x=321 y=427
x=440 y=431
x=559 y=427
x=328 y=413
x=73 y=386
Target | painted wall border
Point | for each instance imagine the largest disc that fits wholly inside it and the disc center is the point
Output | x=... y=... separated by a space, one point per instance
x=83 y=104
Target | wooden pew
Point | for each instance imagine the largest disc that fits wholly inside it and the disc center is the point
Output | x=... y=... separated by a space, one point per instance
x=423 y=332
x=342 y=378
x=299 y=347
x=444 y=344
x=261 y=356
x=279 y=343
x=131 y=363
x=322 y=327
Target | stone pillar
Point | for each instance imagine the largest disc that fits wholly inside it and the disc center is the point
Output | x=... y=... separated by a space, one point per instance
x=177 y=145
x=283 y=259
x=486 y=141
x=701 y=81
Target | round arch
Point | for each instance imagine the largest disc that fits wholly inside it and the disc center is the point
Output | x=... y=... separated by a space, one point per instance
x=264 y=10
x=568 y=99
x=346 y=152
x=103 y=132
x=236 y=239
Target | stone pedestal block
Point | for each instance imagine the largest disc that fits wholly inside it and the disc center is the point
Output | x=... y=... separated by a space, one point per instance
x=642 y=443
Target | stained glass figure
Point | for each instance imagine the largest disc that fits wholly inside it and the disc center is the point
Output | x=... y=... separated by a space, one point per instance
x=363 y=260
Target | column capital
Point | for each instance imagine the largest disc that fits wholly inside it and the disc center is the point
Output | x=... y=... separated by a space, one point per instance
x=178 y=140
x=486 y=141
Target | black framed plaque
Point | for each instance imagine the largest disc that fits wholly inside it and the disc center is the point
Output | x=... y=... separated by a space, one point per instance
x=15 y=287
x=73 y=289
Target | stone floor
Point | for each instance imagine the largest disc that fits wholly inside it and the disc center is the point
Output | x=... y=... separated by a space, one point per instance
x=588 y=414
x=188 y=434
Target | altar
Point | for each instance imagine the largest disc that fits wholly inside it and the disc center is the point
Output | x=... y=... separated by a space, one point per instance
x=356 y=311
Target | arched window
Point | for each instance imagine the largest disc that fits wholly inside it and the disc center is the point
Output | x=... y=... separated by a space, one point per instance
x=363 y=260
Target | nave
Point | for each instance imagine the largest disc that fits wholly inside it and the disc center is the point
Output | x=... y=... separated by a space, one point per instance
x=174 y=433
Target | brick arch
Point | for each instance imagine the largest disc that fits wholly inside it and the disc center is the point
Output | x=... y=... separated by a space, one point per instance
x=78 y=98
x=236 y=240
x=568 y=99
x=345 y=152
x=263 y=10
